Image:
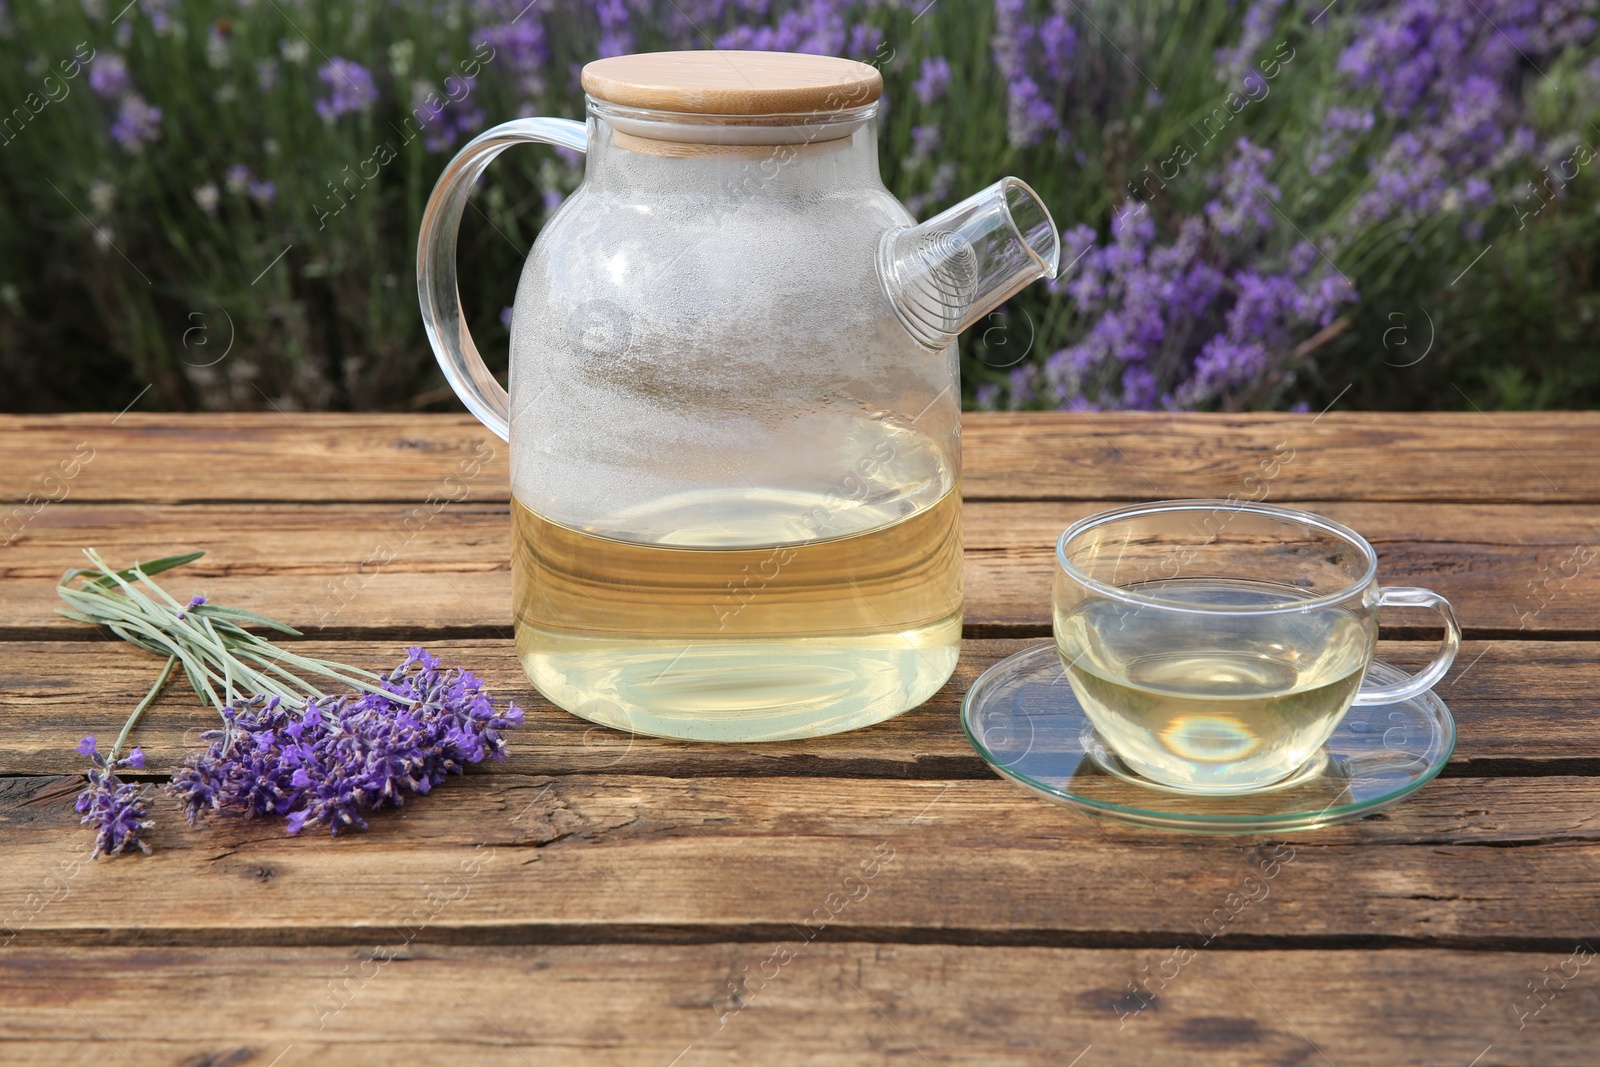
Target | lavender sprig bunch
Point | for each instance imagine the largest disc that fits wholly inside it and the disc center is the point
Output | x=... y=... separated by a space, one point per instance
x=113 y=807
x=345 y=755
x=286 y=748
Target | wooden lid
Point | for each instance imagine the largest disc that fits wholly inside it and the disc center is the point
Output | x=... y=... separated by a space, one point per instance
x=723 y=82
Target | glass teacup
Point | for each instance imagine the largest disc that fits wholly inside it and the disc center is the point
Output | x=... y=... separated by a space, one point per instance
x=1215 y=645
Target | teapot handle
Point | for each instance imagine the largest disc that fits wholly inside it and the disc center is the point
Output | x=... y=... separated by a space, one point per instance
x=436 y=262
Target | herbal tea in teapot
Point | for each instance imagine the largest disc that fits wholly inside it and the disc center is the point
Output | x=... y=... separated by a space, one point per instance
x=732 y=605
x=734 y=400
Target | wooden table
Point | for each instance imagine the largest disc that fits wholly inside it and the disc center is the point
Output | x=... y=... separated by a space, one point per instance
x=605 y=900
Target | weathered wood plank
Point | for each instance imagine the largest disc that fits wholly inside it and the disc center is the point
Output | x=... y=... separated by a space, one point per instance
x=1507 y=568
x=1525 y=707
x=299 y=456
x=828 y=1004
x=1485 y=863
x=1434 y=456
x=288 y=456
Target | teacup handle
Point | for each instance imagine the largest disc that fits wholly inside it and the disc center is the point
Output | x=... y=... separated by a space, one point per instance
x=1423 y=680
x=436 y=262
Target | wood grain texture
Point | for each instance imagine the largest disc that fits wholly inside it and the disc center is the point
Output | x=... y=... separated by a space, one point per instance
x=504 y=858
x=1530 y=457
x=602 y=899
x=1510 y=569
x=1538 y=457
x=829 y=1004
x=1520 y=708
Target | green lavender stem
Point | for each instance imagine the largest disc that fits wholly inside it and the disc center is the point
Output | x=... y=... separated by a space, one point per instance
x=149 y=698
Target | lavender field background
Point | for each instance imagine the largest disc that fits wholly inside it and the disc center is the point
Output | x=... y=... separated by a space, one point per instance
x=1266 y=205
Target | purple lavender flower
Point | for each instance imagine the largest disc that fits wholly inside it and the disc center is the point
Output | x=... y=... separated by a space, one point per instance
x=1028 y=114
x=818 y=28
x=1224 y=365
x=1455 y=76
x=1245 y=201
x=108 y=76
x=113 y=807
x=1195 y=321
x=865 y=40
x=1139 y=389
x=350 y=86
x=933 y=78
x=1024 y=385
x=925 y=142
x=519 y=47
x=1340 y=127
x=343 y=756
x=159 y=14
x=1056 y=41
x=1233 y=63
x=137 y=123
x=263 y=192
x=453 y=119
x=616 y=39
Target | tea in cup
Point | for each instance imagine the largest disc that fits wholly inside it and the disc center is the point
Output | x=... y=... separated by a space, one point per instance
x=1215 y=645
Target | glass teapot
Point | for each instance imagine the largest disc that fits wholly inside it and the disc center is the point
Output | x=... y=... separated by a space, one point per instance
x=734 y=406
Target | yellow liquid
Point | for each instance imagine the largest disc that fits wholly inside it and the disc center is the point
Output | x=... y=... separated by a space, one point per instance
x=729 y=627
x=1214 y=704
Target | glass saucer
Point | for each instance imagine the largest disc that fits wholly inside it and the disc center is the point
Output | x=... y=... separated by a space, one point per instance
x=1024 y=720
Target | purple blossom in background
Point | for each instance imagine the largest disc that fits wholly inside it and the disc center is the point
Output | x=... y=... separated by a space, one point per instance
x=159 y=14
x=1224 y=364
x=865 y=40
x=344 y=756
x=1340 y=127
x=520 y=51
x=1454 y=75
x=137 y=123
x=616 y=39
x=108 y=76
x=925 y=142
x=1245 y=202
x=1056 y=40
x=241 y=182
x=932 y=80
x=1021 y=384
x=1234 y=63
x=454 y=119
x=113 y=807
x=1199 y=314
x=1031 y=116
x=1024 y=54
x=350 y=87
x=815 y=28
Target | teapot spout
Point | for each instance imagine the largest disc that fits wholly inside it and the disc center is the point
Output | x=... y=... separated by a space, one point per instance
x=946 y=274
